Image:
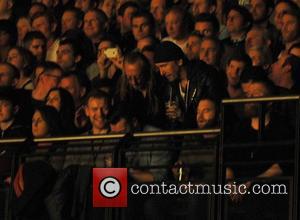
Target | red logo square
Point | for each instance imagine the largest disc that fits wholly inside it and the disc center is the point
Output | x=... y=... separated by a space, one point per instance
x=109 y=187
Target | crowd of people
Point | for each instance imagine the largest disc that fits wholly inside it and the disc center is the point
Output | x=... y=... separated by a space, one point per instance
x=91 y=67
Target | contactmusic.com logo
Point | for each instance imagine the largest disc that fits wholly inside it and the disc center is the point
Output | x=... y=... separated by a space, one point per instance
x=109 y=187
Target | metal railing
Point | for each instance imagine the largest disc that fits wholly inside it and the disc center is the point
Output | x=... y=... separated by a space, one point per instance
x=219 y=211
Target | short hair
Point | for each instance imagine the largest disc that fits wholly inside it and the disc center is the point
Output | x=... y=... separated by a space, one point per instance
x=30 y=36
x=75 y=47
x=10 y=28
x=98 y=94
x=126 y=5
x=50 y=18
x=137 y=57
x=145 y=14
x=241 y=57
x=247 y=17
x=102 y=17
x=13 y=70
x=206 y=17
x=39 y=4
x=291 y=4
x=294 y=12
x=188 y=22
x=78 y=13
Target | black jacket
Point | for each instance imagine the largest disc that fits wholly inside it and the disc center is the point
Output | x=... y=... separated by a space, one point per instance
x=203 y=82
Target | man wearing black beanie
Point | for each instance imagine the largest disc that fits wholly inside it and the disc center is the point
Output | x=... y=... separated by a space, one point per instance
x=186 y=83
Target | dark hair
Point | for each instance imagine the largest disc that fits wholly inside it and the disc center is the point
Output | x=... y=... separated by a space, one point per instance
x=206 y=17
x=28 y=58
x=100 y=15
x=241 y=57
x=294 y=12
x=244 y=12
x=39 y=4
x=147 y=15
x=51 y=117
x=10 y=28
x=13 y=70
x=67 y=110
x=30 y=36
x=98 y=94
x=77 y=12
x=126 y=5
x=50 y=18
x=294 y=61
x=290 y=3
x=75 y=46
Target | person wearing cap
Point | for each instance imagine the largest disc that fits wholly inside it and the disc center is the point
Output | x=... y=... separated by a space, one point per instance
x=186 y=83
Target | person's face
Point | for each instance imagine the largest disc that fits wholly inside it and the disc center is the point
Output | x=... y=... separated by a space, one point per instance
x=206 y=113
x=38 y=48
x=169 y=70
x=289 y=30
x=92 y=26
x=41 y=24
x=205 y=29
x=126 y=20
x=174 y=25
x=39 y=126
x=255 y=38
x=6 y=111
x=49 y=80
x=69 y=21
x=6 y=78
x=23 y=27
x=97 y=111
x=258 y=10
x=72 y=85
x=120 y=127
x=133 y=75
x=256 y=57
x=278 y=69
x=140 y=28
x=158 y=9
x=4 y=39
x=201 y=6
x=15 y=58
x=5 y=5
x=34 y=10
x=279 y=11
x=295 y=51
x=65 y=57
x=254 y=90
x=234 y=22
x=54 y=100
x=208 y=52
x=233 y=72
x=83 y=5
x=193 y=47
x=108 y=7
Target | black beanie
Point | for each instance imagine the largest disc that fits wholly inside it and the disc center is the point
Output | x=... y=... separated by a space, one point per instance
x=167 y=51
